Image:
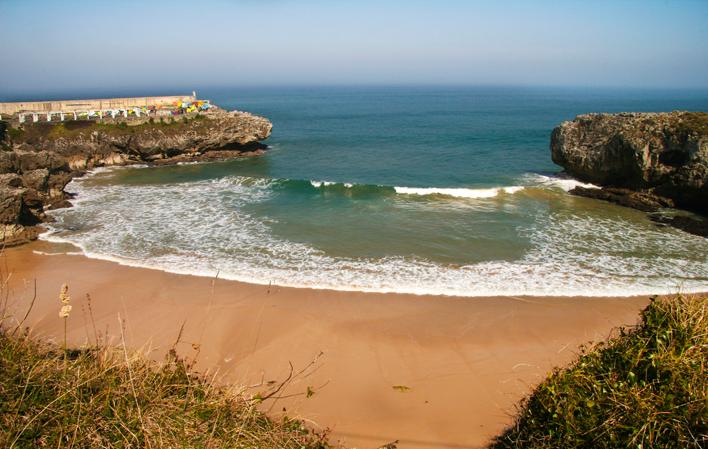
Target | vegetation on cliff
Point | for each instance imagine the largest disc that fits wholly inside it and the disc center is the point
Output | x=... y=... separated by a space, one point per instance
x=35 y=133
x=646 y=387
x=106 y=397
x=141 y=139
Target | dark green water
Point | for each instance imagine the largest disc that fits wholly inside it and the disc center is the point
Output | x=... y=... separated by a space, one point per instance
x=424 y=190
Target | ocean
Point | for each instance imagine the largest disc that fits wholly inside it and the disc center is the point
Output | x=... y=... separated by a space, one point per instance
x=424 y=190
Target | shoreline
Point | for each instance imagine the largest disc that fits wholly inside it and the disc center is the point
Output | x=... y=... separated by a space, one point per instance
x=80 y=251
x=465 y=362
x=333 y=283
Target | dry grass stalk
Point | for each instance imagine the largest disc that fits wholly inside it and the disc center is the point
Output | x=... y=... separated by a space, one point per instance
x=104 y=396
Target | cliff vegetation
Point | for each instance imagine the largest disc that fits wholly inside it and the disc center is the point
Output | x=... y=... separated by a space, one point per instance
x=645 y=388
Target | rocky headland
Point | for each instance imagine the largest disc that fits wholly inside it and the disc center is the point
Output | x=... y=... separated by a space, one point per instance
x=653 y=162
x=37 y=160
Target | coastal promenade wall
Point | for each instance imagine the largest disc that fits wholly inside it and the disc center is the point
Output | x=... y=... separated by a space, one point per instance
x=93 y=104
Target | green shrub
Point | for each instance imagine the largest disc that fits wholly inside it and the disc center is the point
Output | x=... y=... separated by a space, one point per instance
x=644 y=388
x=15 y=133
x=694 y=122
x=58 y=130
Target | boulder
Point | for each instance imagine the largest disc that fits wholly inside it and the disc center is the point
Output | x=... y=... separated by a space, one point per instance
x=56 y=183
x=8 y=162
x=15 y=234
x=35 y=160
x=643 y=201
x=10 y=180
x=11 y=205
x=36 y=179
x=693 y=225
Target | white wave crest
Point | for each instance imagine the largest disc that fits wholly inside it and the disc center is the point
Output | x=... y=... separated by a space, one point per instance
x=206 y=226
x=318 y=184
x=459 y=192
x=60 y=253
x=562 y=182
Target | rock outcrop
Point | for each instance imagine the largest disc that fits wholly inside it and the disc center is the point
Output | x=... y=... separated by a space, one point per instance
x=38 y=160
x=648 y=161
x=660 y=154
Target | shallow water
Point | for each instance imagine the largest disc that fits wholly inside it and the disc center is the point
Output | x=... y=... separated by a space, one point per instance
x=419 y=190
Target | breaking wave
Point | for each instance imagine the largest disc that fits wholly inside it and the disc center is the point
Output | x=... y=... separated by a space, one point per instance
x=459 y=193
x=202 y=227
x=563 y=182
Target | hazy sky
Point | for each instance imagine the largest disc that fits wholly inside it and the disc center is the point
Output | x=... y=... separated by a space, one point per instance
x=49 y=45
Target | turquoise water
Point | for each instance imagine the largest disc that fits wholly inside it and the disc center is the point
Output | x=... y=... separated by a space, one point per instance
x=420 y=190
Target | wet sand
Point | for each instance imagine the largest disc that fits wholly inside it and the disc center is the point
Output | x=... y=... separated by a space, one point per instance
x=462 y=363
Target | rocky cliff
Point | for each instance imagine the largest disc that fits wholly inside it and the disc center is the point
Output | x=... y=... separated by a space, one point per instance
x=644 y=160
x=37 y=160
x=665 y=154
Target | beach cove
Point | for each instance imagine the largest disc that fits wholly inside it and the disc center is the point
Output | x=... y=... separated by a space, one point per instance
x=437 y=191
x=354 y=225
x=430 y=372
x=386 y=304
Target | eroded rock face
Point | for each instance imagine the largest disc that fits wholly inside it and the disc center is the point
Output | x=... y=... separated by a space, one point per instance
x=10 y=204
x=661 y=154
x=640 y=200
x=38 y=161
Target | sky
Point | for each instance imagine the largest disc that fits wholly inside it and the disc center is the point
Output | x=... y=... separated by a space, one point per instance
x=68 y=44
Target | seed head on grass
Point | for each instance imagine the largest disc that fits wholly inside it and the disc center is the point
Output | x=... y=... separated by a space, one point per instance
x=64 y=311
x=105 y=397
x=65 y=300
x=99 y=401
x=64 y=294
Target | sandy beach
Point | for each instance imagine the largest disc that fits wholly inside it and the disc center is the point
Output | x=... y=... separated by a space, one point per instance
x=459 y=365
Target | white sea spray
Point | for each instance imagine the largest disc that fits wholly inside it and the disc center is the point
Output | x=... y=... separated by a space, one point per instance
x=202 y=227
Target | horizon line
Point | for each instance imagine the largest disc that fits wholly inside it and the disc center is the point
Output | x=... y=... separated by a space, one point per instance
x=19 y=95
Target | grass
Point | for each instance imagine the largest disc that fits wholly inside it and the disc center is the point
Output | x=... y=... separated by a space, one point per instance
x=104 y=396
x=644 y=388
x=31 y=132
x=14 y=133
x=694 y=122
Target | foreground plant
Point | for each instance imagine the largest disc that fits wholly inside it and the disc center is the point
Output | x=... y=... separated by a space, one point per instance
x=109 y=400
x=645 y=388
x=65 y=311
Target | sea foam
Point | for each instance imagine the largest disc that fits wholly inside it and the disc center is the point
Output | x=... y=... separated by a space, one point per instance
x=559 y=181
x=459 y=192
x=205 y=227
